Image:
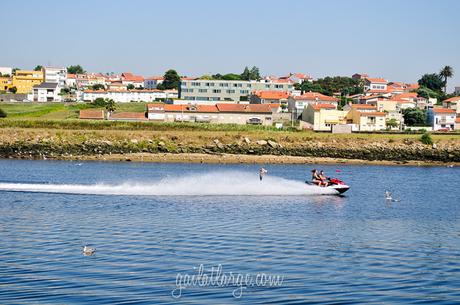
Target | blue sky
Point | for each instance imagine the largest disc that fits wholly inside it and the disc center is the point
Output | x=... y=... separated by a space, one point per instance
x=398 y=40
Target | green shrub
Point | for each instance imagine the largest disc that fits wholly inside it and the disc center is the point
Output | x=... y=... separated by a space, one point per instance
x=2 y=113
x=426 y=139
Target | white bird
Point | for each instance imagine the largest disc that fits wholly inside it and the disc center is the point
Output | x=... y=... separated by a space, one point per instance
x=88 y=250
x=388 y=195
x=79 y=164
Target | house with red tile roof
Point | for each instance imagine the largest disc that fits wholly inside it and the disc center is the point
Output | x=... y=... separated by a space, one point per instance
x=322 y=117
x=452 y=103
x=442 y=118
x=269 y=97
x=366 y=117
x=219 y=113
x=457 y=124
x=153 y=81
x=128 y=78
x=375 y=85
x=296 y=104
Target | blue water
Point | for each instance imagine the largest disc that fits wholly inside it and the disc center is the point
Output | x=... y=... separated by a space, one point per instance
x=149 y=222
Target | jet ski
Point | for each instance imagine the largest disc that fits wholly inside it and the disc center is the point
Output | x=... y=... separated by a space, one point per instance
x=333 y=183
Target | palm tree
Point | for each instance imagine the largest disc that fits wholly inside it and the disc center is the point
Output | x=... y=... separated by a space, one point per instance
x=446 y=72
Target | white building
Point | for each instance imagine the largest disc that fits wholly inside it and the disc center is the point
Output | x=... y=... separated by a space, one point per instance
x=6 y=71
x=126 y=96
x=297 y=104
x=375 y=85
x=153 y=82
x=441 y=118
x=45 y=92
x=55 y=75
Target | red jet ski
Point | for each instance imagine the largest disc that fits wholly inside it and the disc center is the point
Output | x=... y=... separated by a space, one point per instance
x=333 y=183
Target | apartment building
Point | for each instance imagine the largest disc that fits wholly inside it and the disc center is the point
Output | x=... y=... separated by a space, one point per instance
x=24 y=80
x=55 y=75
x=45 y=92
x=227 y=90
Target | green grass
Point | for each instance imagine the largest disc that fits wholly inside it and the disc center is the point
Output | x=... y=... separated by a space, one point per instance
x=58 y=110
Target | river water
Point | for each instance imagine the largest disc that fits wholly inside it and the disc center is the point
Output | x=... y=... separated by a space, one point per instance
x=156 y=227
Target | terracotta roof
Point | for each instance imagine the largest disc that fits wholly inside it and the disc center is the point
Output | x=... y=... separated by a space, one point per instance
x=362 y=106
x=369 y=97
x=453 y=99
x=271 y=95
x=312 y=96
x=131 y=77
x=155 y=78
x=190 y=108
x=373 y=113
x=407 y=95
x=246 y=108
x=379 y=91
x=443 y=110
x=156 y=107
x=301 y=76
x=412 y=86
x=71 y=75
x=128 y=115
x=378 y=80
x=92 y=114
x=322 y=106
x=457 y=120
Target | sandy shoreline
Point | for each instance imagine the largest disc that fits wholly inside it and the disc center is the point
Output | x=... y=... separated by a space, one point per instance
x=241 y=159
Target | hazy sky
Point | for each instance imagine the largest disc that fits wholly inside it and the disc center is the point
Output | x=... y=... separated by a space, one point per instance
x=398 y=40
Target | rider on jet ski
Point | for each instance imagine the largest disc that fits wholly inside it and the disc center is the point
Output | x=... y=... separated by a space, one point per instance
x=318 y=178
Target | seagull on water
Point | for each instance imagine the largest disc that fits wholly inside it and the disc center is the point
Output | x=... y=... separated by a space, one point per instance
x=88 y=250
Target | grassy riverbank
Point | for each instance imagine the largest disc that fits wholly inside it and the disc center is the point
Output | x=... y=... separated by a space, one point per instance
x=51 y=130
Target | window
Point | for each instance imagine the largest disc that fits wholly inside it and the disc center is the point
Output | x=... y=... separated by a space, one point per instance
x=230 y=91
x=371 y=120
x=202 y=90
x=216 y=91
x=267 y=86
x=244 y=91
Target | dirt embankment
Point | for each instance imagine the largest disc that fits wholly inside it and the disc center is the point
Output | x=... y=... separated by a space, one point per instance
x=202 y=146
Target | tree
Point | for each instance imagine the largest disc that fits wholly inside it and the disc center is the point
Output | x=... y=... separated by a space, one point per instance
x=231 y=76
x=446 y=72
x=15 y=69
x=246 y=75
x=13 y=89
x=345 y=86
x=414 y=116
x=392 y=123
x=99 y=102
x=2 y=113
x=77 y=69
x=130 y=87
x=98 y=87
x=171 y=80
x=110 y=105
x=252 y=74
x=432 y=81
x=38 y=68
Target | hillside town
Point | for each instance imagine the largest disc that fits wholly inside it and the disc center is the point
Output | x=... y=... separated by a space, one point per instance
x=368 y=104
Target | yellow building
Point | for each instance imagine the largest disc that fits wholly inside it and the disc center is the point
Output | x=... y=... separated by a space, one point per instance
x=366 y=117
x=323 y=116
x=5 y=83
x=24 y=80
